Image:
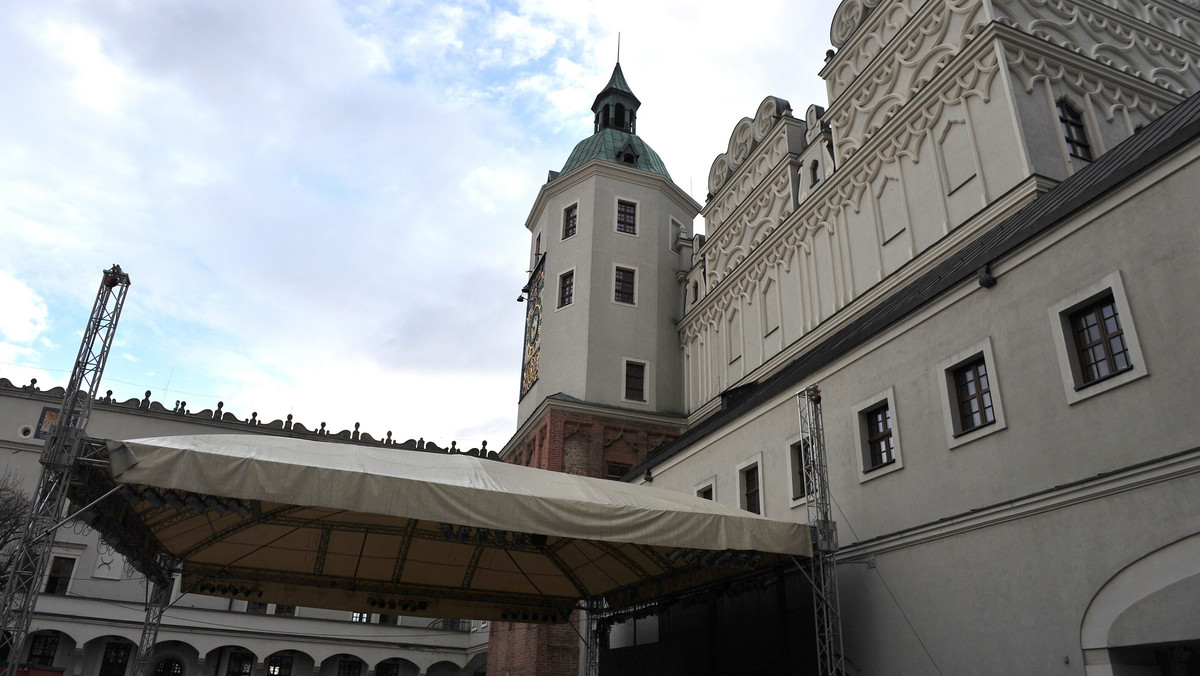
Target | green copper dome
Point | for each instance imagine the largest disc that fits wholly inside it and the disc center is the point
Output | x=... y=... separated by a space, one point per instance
x=618 y=147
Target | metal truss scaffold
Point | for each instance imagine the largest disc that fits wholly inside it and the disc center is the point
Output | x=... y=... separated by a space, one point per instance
x=823 y=565
x=593 y=610
x=63 y=446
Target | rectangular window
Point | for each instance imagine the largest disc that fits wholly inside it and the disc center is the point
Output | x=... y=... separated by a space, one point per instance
x=970 y=389
x=256 y=607
x=973 y=395
x=623 y=286
x=798 y=452
x=570 y=221
x=392 y=620
x=635 y=381
x=59 y=578
x=750 y=489
x=1073 y=131
x=566 y=288
x=360 y=617
x=626 y=217
x=879 y=437
x=1096 y=339
x=1099 y=340
x=116 y=657
x=279 y=665
x=285 y=611
x=876 y=435
x=615 y=470
x=42 y=649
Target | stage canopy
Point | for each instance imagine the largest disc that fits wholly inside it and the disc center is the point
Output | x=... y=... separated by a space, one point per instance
x=382 y=530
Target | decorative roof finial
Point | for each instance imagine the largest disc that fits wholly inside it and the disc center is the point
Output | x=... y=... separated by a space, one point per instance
x=618 y=46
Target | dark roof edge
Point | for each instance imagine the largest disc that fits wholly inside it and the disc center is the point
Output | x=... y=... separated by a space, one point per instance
x=1157 y=140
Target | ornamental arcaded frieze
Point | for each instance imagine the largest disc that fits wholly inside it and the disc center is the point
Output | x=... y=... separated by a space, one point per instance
x=1164 y=15
x=747 y=134
x=748 y=179
x=734 y=268
x=1029 y=67
x=934 y=38
x=880 y=28
x=760 y=218
x=1158 y=54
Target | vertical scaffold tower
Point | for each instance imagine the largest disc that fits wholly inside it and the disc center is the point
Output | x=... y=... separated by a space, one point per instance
x=823 y=566
x=62 y=449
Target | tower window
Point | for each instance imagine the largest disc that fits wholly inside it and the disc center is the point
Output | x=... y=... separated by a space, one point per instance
x=627 y=217
x=635 y=381
x=815 y=172
x=566 y=288
x=623 y=286
x=1073 y=131
x=570 y=221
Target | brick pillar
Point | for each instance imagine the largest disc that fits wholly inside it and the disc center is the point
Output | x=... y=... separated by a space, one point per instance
x=584 y=444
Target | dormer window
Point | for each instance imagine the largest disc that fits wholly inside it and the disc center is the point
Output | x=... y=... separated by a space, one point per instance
x=1074 y=131
x=815 y=172
x=628 y=154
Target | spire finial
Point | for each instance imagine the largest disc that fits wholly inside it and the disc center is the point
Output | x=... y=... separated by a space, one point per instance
x=618 y=46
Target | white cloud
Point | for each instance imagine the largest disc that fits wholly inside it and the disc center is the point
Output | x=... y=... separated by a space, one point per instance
x=23 y=314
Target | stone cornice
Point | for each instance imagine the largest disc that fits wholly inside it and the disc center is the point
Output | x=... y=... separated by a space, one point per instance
x=598 y=167
x=1168 y=468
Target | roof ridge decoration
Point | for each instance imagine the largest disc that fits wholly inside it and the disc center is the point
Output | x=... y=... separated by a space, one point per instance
x=747 y=134
x=848 y=18
x=275 y=427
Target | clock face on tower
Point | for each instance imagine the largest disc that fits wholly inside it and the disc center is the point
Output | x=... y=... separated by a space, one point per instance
x=533 y=329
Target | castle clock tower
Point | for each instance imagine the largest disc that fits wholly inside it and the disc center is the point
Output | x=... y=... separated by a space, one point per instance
x=601 y=373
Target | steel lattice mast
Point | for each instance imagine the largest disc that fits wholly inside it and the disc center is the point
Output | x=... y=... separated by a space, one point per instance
x=62 y=448
x=826 y=609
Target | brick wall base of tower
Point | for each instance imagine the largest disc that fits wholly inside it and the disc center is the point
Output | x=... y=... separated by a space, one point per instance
x=586 y=443
x=534 y=649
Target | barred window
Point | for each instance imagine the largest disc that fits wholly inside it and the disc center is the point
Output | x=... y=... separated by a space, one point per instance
x=623 y=286
x=626 y=217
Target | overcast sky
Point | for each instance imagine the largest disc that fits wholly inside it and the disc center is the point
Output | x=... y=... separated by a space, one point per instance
x=321 y=205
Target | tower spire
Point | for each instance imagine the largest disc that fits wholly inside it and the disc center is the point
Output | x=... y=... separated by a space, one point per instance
x=616 y=106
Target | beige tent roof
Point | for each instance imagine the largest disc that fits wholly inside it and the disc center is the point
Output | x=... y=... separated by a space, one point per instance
x=443 y=535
